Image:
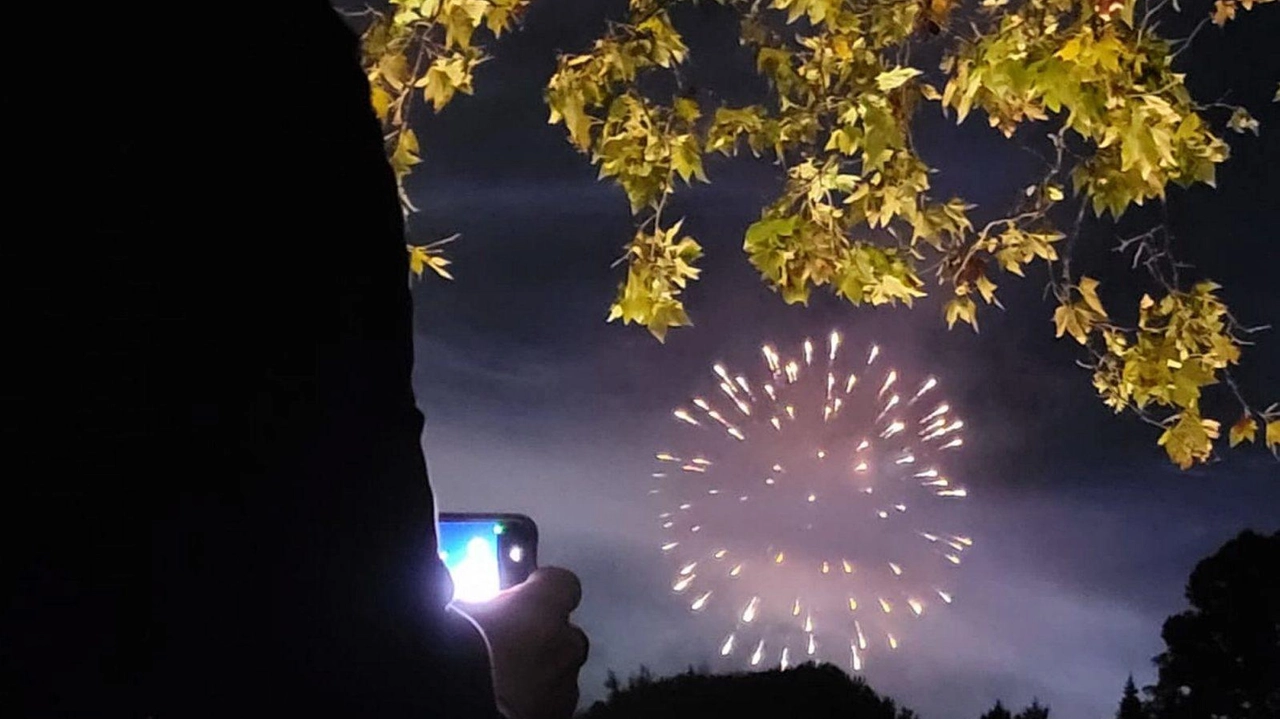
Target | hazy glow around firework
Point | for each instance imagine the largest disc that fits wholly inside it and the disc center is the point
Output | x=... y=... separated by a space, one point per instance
x=805 y=505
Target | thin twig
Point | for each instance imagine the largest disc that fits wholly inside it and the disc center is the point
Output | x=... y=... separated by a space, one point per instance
x=1186 y=43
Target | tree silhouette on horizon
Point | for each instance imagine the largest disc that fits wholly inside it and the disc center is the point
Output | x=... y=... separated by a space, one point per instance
x=1222 y=656
x=1131 y=706
x=810 y=691
x=997 y=712
x=1035 y=710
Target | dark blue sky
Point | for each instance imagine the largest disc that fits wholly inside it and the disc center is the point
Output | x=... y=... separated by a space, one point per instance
x=534 y=404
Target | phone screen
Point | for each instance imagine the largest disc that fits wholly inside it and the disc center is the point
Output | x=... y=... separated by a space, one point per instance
x=485 y=554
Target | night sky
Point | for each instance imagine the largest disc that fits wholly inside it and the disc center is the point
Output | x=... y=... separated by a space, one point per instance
x=1085 y=533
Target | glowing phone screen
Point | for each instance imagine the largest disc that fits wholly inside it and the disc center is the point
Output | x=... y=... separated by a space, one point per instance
x=470 y=551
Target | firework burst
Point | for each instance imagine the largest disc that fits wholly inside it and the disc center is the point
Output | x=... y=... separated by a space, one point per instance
x=806 y=506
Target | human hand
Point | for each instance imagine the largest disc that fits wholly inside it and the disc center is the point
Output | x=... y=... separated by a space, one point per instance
x=536 y=652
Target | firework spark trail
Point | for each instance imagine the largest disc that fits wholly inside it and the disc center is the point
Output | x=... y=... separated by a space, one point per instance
x=802 y=505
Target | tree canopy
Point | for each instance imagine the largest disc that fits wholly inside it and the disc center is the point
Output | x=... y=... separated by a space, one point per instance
x=857 y=215
x=1222 y=656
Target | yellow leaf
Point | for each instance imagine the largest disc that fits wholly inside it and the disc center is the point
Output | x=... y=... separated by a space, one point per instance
x=1089 y=290
x=1273 y=434
x=437 y=88
x=381 y=101
x=405 y=155
x=930 y=92
x=571 y=110
x=417 y=259
x=666 y=46
x=428 y=8
x=1244 y=430
x=438 y=264
x=986 y=288
x=687 y=109
x=948 y=92
x=1223 y=10
x=394 y=69
x=1211 y=427
x=421 y=257
x=1073 y=319
x=1054 y=193
x=842 y=139
x=461 y=18
x=1062 y=320
x=1071 y=50
x=1188 y=439
x=962 y=308
x=499 y=17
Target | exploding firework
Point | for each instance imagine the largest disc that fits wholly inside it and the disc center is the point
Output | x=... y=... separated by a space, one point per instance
x=803 y=505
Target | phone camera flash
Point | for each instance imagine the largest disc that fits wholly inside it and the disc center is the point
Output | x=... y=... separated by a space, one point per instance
x=516 y=553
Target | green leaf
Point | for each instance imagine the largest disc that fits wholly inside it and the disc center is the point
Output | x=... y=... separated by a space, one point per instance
x=764 y=230
x=895 y=78
x=659 y=267
x=729 y=123
x=686 y=158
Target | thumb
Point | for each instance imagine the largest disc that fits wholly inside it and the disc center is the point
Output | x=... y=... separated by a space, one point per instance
x=493 y=605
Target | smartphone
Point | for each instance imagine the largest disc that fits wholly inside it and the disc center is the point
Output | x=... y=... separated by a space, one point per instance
x=486 y=553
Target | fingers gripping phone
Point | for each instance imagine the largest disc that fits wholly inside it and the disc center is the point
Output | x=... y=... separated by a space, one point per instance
x=486 y=553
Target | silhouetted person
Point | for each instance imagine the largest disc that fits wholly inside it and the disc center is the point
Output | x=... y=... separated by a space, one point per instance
x=220 y=495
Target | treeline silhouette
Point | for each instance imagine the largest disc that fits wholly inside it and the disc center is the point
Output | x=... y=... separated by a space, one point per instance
x=1221 y=661
x=1033 y=711
x=812 y=691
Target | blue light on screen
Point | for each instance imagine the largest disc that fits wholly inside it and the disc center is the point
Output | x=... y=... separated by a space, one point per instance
x=470 y=551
